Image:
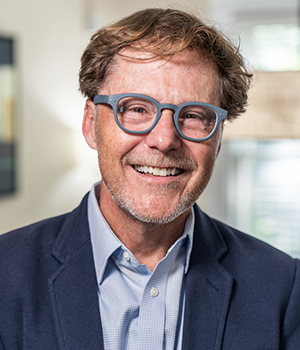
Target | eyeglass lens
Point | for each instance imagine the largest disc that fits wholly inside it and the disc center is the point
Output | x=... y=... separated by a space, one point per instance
x=139 y=114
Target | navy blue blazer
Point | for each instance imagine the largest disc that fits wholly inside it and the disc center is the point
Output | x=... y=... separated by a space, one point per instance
x=240 y=293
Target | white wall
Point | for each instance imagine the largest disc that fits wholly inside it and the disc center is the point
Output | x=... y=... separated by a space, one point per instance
x=54 y=167
x=102 y=12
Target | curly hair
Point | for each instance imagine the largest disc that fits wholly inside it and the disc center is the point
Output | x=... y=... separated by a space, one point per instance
x=165 y=32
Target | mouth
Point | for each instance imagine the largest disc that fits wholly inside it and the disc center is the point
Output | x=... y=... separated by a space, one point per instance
x=149 y=170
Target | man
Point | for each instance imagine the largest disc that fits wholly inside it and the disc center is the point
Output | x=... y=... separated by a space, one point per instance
x=138 y=265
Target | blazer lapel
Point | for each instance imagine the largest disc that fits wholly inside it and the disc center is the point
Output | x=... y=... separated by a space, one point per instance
x=208 y=288
x=73 y=287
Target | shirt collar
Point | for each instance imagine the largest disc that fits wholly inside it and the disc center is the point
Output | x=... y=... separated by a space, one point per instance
x=105 y=242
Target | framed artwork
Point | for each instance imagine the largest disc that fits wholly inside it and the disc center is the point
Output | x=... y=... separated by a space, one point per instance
x=7 y=116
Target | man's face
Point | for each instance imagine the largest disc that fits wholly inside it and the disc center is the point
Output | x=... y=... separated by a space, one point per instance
x=127 y=161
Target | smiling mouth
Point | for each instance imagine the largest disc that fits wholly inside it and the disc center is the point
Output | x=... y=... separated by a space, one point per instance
x=143 y=169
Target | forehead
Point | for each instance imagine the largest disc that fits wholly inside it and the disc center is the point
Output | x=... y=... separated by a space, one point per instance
x=187 y=75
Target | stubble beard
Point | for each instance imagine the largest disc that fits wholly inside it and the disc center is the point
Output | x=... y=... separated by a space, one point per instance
x=139 y=212
x=129 y=207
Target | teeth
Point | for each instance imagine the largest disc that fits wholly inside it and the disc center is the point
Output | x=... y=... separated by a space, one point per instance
x=157 y=171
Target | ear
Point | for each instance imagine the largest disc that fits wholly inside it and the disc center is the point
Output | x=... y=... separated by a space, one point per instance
x=88 y=123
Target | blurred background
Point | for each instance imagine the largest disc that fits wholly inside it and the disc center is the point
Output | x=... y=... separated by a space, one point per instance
x=45 y=165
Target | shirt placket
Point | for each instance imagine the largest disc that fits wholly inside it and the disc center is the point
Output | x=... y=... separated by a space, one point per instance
x=152 y=315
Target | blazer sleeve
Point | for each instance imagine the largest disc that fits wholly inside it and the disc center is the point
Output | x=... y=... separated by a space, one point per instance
x=291 y=322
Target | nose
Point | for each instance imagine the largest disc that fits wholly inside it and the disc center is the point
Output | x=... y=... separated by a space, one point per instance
x=164 y=136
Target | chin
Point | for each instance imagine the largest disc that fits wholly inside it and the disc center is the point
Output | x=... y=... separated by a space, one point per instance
x=142 y=213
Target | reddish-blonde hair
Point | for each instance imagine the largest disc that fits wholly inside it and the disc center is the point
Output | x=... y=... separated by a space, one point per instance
x=165 y=32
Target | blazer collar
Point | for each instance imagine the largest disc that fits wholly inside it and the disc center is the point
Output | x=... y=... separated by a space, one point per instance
x=208 y=287
x=73 y=287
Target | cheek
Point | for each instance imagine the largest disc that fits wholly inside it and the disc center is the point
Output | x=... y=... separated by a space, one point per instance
x=108 y=148
x=113 y=144
x=203 y=151
x=109 y=136
x=205 y=155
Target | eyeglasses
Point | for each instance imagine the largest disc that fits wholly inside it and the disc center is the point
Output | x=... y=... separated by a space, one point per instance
x=139 y=114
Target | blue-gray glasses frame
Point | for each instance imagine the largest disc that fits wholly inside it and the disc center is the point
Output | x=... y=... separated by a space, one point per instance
x=113 y=101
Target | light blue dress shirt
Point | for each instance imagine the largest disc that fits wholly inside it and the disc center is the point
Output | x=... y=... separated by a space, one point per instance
x=139 y=309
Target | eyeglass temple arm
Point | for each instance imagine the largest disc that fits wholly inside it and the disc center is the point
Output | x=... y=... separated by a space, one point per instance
x=100 y=99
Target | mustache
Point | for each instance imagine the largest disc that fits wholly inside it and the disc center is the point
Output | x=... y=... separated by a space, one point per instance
x=174 y=159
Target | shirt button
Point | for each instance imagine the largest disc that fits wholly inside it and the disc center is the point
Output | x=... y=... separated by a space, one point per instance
x=154 y=292
x=126 y=256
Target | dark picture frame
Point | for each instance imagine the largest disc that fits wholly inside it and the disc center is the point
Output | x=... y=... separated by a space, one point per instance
x=7 y=116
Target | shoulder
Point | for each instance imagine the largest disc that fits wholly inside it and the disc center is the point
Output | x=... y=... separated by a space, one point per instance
x=243 y=255
x=250 y=249
x=35 y=241
x=45 y=229
x=29 y=243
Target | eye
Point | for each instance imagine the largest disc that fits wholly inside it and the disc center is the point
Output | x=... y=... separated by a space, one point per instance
x=135 y=106
x=133 y=109
x=199 y=114
x=192 y=116
x=139 y=110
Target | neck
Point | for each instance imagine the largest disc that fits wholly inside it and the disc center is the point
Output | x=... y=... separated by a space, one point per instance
x=148 y=242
